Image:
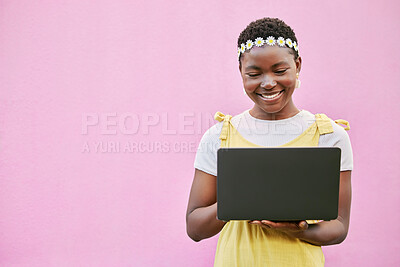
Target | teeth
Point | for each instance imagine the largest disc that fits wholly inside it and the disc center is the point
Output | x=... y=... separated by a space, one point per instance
x=270 y=96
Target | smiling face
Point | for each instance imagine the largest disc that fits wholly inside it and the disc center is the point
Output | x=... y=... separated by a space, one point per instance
x=269 y=79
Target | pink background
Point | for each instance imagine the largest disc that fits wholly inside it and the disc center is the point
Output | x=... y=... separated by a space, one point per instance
x=166 y=67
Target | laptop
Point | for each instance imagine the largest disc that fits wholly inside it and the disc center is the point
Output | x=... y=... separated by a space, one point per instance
x=278 y=184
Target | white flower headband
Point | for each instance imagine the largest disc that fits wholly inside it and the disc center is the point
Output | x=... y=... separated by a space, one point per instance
x=269 y=41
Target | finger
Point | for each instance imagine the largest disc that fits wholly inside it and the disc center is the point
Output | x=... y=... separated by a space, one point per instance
x=303 y=225
x=282 y=225
x=276 y=224
x=268 y=223
x=260 y=224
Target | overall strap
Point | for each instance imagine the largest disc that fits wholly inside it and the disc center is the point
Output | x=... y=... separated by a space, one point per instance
x=323 y=123
x=344 y=122
x=225 y=127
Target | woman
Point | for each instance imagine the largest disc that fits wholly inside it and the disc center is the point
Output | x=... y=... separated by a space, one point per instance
x=269 y=64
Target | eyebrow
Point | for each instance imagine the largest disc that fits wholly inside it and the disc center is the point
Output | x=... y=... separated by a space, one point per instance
x=279 y=63
x=252 y=67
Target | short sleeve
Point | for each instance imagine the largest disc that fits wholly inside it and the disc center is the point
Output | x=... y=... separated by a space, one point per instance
x=339 y=138
x=206 y=155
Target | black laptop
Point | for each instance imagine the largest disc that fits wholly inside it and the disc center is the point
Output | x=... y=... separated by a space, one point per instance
x=278 y=184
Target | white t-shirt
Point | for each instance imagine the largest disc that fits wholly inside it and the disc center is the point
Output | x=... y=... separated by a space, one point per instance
x=270 y=133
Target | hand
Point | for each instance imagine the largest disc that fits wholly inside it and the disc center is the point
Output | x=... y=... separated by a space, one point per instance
x=282 y=226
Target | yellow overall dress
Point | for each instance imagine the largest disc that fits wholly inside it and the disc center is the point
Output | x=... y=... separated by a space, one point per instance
x=242 y=244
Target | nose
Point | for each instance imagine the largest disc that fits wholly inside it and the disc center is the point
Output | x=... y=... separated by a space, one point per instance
x=268 y=82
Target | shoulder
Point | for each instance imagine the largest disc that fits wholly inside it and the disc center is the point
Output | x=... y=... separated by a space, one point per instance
x=211 y=136
x=339 y=130
x=215 y=129
x=339 y=138
x=339 y=134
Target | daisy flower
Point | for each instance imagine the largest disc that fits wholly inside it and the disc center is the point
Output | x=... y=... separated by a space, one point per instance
x=289 y=42
x=249 y=44
x=259 y=41
x=270 y=40
x=295 y=46
x=281 y=41
x=242 y=48
x=238 y=51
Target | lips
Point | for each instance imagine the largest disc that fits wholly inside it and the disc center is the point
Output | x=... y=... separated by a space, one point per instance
x=271 y=96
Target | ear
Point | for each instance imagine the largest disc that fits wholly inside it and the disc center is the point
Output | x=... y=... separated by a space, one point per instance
x=298 y=64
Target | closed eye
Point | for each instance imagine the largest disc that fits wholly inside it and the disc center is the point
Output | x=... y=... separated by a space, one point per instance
x=281 y=71
x=252 y=74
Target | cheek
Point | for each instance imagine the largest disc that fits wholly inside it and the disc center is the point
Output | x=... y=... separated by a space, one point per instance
x=287 y=81
x=251 y=84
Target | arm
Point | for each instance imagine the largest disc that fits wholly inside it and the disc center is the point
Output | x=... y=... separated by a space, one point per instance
x=201 y=215
x=323 y=233
x=335 y=231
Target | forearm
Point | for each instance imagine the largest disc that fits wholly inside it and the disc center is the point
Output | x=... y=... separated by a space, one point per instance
x=202 y=223
x=324 y=233
x=335 y=231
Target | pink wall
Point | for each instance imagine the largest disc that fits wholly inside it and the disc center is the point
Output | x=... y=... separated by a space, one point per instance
x=151 y=74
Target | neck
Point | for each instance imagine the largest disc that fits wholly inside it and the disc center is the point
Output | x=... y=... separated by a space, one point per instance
x=288 y=111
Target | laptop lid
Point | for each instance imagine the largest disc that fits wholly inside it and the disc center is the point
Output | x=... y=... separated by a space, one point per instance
x=279 y=184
